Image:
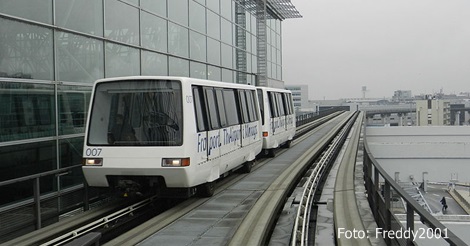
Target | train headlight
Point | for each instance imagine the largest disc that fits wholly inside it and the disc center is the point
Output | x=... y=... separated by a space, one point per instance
x=175 y=162
x=265 y=134
x=93 y=162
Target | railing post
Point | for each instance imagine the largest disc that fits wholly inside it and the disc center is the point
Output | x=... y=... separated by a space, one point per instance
x=86 y=204
x=410 y=223
x=37 y=202
x=387 y=215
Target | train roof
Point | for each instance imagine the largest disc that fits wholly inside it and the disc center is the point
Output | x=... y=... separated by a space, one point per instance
x=182 y=79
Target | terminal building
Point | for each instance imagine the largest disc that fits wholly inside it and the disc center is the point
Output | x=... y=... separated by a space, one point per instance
x=51 y=52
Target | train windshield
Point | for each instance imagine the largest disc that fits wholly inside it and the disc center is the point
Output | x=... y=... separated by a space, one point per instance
x=136 y=113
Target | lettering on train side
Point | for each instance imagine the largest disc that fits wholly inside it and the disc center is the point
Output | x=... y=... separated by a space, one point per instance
x=231 y=136
x=251 y=131
x=208 y=144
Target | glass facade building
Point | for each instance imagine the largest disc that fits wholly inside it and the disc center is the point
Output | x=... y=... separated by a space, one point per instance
x=51 y=52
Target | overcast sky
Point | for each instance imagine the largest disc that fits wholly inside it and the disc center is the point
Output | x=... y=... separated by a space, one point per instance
x=387 y=45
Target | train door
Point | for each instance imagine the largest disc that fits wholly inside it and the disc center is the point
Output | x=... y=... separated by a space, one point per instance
x=201 y=125
x=214 y=132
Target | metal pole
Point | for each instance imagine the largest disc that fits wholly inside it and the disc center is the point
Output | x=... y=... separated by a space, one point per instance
x=37 y=203
x=410 y=224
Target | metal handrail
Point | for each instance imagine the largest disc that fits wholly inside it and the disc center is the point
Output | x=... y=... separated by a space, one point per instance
x=37 y=189
x=372 y=185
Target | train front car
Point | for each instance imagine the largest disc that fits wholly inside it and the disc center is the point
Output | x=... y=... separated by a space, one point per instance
x=145 y=134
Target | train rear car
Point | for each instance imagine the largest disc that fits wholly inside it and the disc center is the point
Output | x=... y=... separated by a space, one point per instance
x=277 y=117
x=170 y=134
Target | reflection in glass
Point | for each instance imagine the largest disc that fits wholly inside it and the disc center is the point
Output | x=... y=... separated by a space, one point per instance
x=26 y=111
x=227 y=56
x=154 y=32
x=25 y=51
x=227 y=75
x=178 y=11
x=121 y=60
x=214 y=73
x=156 y=6
x=198 y=46
x=121 y=22
x=83 y=16
x=178 y=38
x=39 y=10
x=178 y=67
x=154 y=64
x=198 y=70
x=70 y=154
x=213 y=51
x=23 y=160
x=226 y=31
x=213 y=25
x=197 y=15
x=73 y=108
x=79 y=58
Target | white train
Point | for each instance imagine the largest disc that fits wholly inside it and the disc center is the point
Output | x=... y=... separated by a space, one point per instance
x=171 y=134
x=277 y=118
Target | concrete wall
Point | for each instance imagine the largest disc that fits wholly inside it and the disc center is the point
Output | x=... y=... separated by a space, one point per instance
x=441 y=151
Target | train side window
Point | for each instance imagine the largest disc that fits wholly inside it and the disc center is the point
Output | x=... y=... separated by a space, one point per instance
x=212 y=109
x=231 y=107
x=285 y=99
x=199 y=109
x=255 y=104
x=221 y=107
x=243 y=106
x=261 y=104
x=280 y=104
x=251 y=106
x=273 y=104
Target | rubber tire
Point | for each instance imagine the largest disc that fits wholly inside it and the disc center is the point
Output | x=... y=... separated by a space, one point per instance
x=270 y=153
x=287 y=144
x=206 y=189
x=247 y=166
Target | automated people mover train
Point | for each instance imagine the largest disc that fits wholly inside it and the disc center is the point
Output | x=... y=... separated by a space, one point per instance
x=170 y=134
x=277 y=118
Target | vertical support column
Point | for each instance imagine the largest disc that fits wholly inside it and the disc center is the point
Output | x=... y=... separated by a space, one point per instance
x=388 y=215
x=262 y=79
x=410 y=223
x=241 y=42
x=37 y=203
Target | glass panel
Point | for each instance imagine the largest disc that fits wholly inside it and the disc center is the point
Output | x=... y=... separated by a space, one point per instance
x=197 y=15
x=141 y=112
x=178 y=40
x=226 y=31
x=214 y=73
x=83 y=16
x=179 y=67
x=26 y=111
x=227 y=56
x=73 y=108
x=226 y=9
x=213 y=52
x=213 y=5
x=26 y=51
x=79 y=58
x=199 y=106
x=198 y=70
x=121 y=29
x=178 y=11
x=213 y=25
x=121 y=60
x=22 y=160
x=133 y=2
x=154 y=63
x=155 y=6
x=39 y=10
x=227 y=75
x=212 y=109
x=198 y=46
x=231 y=107
x=70 y=154
x=154 y=32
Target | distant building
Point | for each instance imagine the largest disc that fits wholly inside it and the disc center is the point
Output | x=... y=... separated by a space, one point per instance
x=400 y=96
x=300 y=97
x=432 y=111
